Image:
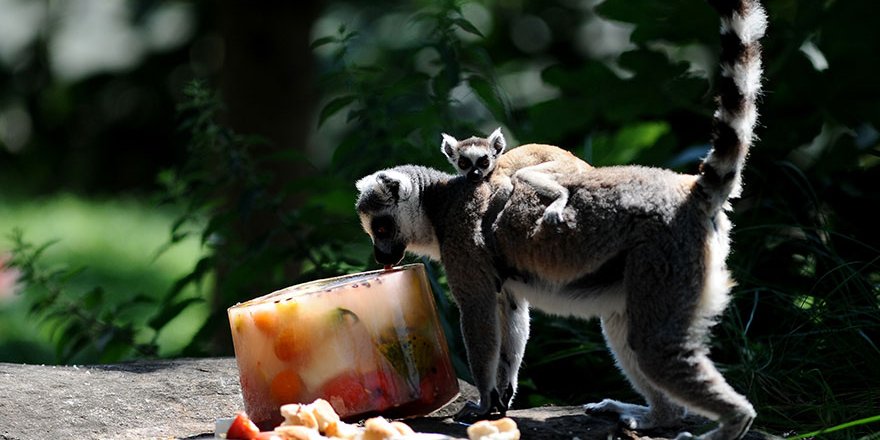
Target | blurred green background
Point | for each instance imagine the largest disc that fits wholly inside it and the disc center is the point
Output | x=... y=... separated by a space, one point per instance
x=162 y=160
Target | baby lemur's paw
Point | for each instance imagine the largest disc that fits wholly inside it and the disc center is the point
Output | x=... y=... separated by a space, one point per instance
x=553 y=216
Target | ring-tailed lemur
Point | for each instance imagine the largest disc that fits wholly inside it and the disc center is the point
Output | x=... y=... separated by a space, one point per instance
x=538 y=165
x=647 y=256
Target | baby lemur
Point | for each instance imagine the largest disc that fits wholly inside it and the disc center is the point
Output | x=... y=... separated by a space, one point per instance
x=538 y=165
x=647 y=257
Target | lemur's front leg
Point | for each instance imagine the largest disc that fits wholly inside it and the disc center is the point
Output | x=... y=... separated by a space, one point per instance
x=477 y=298
x=514 y=326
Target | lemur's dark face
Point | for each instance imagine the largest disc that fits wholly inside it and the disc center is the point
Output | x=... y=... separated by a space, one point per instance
x=388 y=246
x=474 y=157
x=384 y=217
x=475 y=166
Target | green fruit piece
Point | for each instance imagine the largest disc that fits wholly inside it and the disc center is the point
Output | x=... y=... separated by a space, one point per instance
x=340 y=316
x=412 y=355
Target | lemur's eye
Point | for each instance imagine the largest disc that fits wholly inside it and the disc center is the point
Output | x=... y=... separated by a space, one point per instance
x=483 y=162
x=382 y=227
x=464 y=163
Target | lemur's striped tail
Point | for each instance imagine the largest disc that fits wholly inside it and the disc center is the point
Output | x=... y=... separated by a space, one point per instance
x=742 y=24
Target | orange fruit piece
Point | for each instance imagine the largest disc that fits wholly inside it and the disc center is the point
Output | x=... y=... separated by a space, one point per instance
x=286 y=387
x=290 y=343
x=265 y=320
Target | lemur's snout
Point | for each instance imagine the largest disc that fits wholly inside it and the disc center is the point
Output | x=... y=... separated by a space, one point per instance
x=475 y=175
x=392 y=257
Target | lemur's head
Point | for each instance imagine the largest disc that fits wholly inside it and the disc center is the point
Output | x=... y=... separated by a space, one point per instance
x=391 y=213
x=474 y=157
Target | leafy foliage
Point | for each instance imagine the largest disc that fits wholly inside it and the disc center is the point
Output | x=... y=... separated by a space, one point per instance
x=82 y=325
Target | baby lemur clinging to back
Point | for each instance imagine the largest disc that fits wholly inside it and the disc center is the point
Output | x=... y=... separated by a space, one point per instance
x=538 y=165
x=647 y=256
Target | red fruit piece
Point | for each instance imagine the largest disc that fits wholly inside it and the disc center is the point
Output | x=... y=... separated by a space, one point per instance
x=242 y=428
x=352 y=393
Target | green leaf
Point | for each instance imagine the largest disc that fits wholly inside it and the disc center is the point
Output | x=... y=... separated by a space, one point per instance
x=323 y=41
x=204 y=265
x=627 y=143
x=117 y=349
x=166 y=314
x=93 y=299
x=334 y=106
x=490 y=96
x=468 y=27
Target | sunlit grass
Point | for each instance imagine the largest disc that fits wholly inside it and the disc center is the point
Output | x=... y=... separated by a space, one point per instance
x=840 y=427
x=117 y=242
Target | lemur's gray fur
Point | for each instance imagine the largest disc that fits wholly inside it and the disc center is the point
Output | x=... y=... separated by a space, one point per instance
x=647 y=257
x=537 y=165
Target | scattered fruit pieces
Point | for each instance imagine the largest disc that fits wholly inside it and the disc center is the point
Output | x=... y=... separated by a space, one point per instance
x=501 y=429
x=317 y=415
x=378 y=428
x=242 y=428
x=318 y=421
x=297 y=432
x=342 y=430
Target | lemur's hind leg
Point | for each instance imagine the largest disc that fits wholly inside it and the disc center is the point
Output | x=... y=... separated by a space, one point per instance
x=660 y=412
x=669 y=315
x=542 y=178
x=514 y=323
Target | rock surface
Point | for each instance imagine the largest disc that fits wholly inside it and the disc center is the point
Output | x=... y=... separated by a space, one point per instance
x=182 y=399
x=141 y=400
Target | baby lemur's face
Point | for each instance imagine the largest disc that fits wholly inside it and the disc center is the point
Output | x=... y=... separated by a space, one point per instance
x=474 y=157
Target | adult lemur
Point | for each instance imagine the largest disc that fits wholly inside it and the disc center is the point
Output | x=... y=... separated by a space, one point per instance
x=538 y=165
x=647 y=256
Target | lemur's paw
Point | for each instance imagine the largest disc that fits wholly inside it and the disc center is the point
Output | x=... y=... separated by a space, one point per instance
x=628 y=415
x=470 y=413
x=553 y=217
x=607 y=406
x=473 y=412
x=507 y=396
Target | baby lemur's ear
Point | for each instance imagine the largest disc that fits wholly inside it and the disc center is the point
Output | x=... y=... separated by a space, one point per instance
x=448 y=145
x=496 y=140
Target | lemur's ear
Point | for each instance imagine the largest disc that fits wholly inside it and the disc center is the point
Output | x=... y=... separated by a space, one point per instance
x=496 y=140
x=448 y=145
x=394 y=184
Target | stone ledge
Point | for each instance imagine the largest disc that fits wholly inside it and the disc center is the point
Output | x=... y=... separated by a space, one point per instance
x=182 y=398
x=152 y=399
